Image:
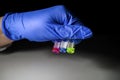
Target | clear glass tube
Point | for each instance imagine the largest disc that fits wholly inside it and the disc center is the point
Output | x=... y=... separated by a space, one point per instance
x=70 y=47
x=56 y=44
x=56 y=47
x=63 y=46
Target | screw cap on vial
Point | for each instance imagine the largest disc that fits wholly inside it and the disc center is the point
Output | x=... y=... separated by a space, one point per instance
x=56 y=50
x=62 y=50
x=70 y=50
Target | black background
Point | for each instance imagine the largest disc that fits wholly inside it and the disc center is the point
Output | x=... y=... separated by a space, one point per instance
x=100 y=16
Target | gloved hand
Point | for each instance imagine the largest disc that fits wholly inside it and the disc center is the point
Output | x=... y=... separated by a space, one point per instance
x=47 y=24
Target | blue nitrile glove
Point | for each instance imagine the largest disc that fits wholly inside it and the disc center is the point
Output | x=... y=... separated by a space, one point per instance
x=44 y=25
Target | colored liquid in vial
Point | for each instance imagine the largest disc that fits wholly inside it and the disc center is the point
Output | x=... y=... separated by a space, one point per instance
x=56 y=47
x=70 y=48
x=63 y=46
